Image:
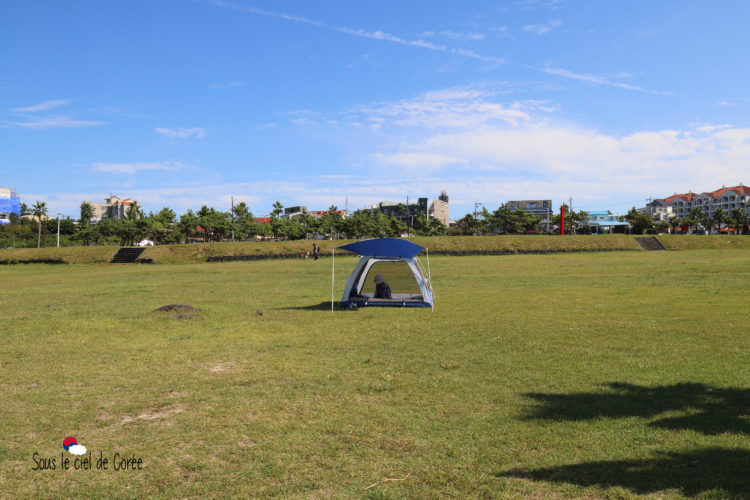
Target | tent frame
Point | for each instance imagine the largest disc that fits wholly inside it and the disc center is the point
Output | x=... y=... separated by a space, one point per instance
x=353 y=298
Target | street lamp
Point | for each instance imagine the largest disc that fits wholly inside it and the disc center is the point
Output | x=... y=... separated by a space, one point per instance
x=58 y=229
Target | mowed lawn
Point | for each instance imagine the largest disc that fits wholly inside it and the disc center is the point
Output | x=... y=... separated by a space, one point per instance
x=611 y=374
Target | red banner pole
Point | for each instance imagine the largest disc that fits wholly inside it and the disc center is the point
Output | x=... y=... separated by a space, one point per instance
x=562 y=220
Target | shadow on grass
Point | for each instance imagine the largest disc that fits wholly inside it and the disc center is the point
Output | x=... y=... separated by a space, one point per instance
x=323 y=306
x=692 y=473
x=709 y=410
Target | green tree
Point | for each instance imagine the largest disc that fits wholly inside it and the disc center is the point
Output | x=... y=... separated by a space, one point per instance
x=694 y=218
x=39 y=210
x=738 y=218
x=719 y=217
x=188 y=225
x=243 y=218
x=133 y=212
x=640 y=222
x=573 y=220
x=674 y=222
x=278 y=210
x=87 y=213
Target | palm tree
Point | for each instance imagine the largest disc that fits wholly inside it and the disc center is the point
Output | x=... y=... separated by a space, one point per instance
x=87 y=213
x=719 y=217
x=39 y=210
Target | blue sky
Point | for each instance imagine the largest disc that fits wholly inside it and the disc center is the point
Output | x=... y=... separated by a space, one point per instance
x=181 y=103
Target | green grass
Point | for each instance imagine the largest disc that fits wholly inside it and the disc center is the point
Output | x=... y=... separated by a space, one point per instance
x=603 y=375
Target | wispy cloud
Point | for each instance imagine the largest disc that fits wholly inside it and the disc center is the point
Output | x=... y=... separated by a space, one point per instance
x=32 y=117
x=131 y=168
x=458 y=107
x=53 y=122
x=598 y=80
x=453 y=35
x=539 y=4
x=265 y=126
x=542 y=29
x=226 y=85
x=43 y=106
x=182 y=133
x=361 y=33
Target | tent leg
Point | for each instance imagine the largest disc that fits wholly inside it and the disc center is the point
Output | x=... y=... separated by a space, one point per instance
x=333 y=273
x=429 y=277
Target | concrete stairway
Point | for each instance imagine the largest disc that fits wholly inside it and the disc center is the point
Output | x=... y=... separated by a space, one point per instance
x=126 y=255
x=649 y=243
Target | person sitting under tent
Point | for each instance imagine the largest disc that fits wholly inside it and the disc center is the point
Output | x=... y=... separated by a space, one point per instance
x=382 y=290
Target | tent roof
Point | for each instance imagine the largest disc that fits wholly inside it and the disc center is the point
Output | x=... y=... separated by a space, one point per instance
x=384 y=247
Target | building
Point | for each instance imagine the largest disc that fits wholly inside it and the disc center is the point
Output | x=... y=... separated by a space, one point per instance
x=10 y=203
x=402 y=211
x=112 y=208
x=320 y=213
x=659 y=210
x=440 y=209
x=540 y=208
x=290 y=212
x=604 y=222
x=680 y=205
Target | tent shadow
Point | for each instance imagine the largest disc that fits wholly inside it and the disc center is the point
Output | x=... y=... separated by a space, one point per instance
x=708 y=410
x=725 y=471
x=323 y=306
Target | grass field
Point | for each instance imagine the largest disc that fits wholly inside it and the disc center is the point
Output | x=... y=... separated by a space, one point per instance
x=603 y=375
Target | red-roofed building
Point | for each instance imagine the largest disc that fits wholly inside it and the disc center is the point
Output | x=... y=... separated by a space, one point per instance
x=321 y=213
x=112 y=208
x=680 y=205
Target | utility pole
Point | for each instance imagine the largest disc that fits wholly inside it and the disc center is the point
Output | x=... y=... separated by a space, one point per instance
x=476 y=205
x=232 y=198
x=408 y=227
x=58 y=229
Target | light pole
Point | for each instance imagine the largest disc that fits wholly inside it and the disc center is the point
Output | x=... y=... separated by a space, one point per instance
x=58 y=229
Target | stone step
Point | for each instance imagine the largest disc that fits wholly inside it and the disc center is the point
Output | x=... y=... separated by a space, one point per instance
x=649 y=243
x=126 y=255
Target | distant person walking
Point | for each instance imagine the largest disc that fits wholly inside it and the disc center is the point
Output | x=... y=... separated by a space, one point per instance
x=316 y=251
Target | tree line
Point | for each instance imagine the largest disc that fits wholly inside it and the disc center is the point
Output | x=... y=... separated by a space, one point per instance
x=204 y=225
x=697 y=220
x=208 y=224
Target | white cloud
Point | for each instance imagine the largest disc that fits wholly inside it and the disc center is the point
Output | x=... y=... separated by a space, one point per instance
x=539 y=4
x=182 y=133
x=453 y=35
x=131 y=168
x=265 y=126
x=228 y=85
x=43 y=106
x=417 y=160
x=372 y=35
x=542 y=29
x=77 y=449
x=458 y=107
x=53 y=122
x=597 y=80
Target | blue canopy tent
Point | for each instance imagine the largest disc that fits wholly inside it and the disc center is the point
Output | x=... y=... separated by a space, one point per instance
x=390 y=251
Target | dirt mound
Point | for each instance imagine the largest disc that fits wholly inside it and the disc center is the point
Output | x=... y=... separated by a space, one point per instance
x=176 y=307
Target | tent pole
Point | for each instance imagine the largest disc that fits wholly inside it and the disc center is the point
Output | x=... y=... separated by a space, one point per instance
x=429 y=277
x=333 y=273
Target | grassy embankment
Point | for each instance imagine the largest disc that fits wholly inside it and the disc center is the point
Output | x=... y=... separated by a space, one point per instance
x=569 y=375
x=199 y=252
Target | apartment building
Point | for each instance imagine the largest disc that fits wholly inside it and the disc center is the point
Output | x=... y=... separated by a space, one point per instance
x=680 y=205
x=112 y=208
